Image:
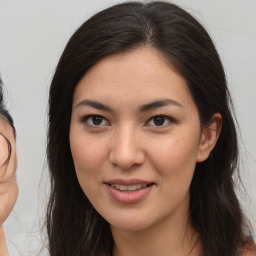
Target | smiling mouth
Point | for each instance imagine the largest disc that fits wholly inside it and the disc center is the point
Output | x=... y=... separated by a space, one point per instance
x=129 y=188
x=129 y=191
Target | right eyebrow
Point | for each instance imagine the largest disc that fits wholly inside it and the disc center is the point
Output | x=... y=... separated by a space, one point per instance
x=159 y=103
x=94 y=104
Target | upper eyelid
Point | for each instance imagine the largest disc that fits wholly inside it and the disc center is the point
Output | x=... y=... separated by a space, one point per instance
x=85 y=117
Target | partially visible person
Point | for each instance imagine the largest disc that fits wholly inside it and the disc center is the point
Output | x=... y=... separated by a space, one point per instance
x=8 y=164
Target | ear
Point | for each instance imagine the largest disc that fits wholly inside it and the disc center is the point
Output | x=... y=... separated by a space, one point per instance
x=209 y=137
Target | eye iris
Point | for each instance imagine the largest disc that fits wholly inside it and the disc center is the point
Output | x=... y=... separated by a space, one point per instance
x=97 y=120
x=159 y=120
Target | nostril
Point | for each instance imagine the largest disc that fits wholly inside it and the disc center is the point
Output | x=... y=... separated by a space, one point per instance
x=125 y=159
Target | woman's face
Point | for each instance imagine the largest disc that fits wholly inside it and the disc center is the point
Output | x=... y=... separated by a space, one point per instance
x=8 y=185
x=135 y=138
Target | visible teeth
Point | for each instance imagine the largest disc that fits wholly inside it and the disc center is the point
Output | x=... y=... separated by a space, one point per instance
x=139 y=186
x=122 y=187
x=128 y=188
x=133 y=187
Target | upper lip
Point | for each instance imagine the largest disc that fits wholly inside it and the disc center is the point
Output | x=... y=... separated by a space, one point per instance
x=127 y=182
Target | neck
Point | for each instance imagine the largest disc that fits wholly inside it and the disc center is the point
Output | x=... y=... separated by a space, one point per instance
x=165 y=239
x=3 y=246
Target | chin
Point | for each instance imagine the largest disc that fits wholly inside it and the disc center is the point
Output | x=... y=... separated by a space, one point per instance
x=130 y=223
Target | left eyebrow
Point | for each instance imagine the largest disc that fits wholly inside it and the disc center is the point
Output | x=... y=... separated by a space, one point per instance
x=158 y=104
x=94 y=104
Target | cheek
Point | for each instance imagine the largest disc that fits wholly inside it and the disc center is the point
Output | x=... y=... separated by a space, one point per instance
x=85 y=157
x=4 y=152
x=8 y=197
x=8 y=186
x=84 y=167
x=175 y=163
x=88 y=156
x=175 y=159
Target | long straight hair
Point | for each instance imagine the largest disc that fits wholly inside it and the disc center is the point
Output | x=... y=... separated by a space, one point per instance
x=74 y=226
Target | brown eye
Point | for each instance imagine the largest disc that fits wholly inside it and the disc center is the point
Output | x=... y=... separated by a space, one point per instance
x=159 y=120
x=95 y=121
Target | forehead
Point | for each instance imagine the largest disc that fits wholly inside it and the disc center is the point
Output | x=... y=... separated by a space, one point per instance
x=142 y=73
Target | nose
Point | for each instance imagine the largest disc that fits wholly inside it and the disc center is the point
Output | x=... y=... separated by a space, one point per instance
x=126 y=150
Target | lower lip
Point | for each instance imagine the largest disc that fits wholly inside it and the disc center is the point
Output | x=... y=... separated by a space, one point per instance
x=128 y=197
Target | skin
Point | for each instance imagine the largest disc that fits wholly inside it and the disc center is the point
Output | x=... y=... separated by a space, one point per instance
x=128 y=143
x=8 y=184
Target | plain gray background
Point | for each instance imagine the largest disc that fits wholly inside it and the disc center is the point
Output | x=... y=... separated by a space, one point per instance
x=32 y=37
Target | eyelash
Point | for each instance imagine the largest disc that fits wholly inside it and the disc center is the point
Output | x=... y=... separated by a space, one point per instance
x=89 y=122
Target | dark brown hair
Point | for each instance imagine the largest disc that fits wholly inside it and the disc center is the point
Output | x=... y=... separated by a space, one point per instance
x=74 y=227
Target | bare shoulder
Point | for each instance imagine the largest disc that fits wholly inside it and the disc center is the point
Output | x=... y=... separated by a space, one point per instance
x=248 y=249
